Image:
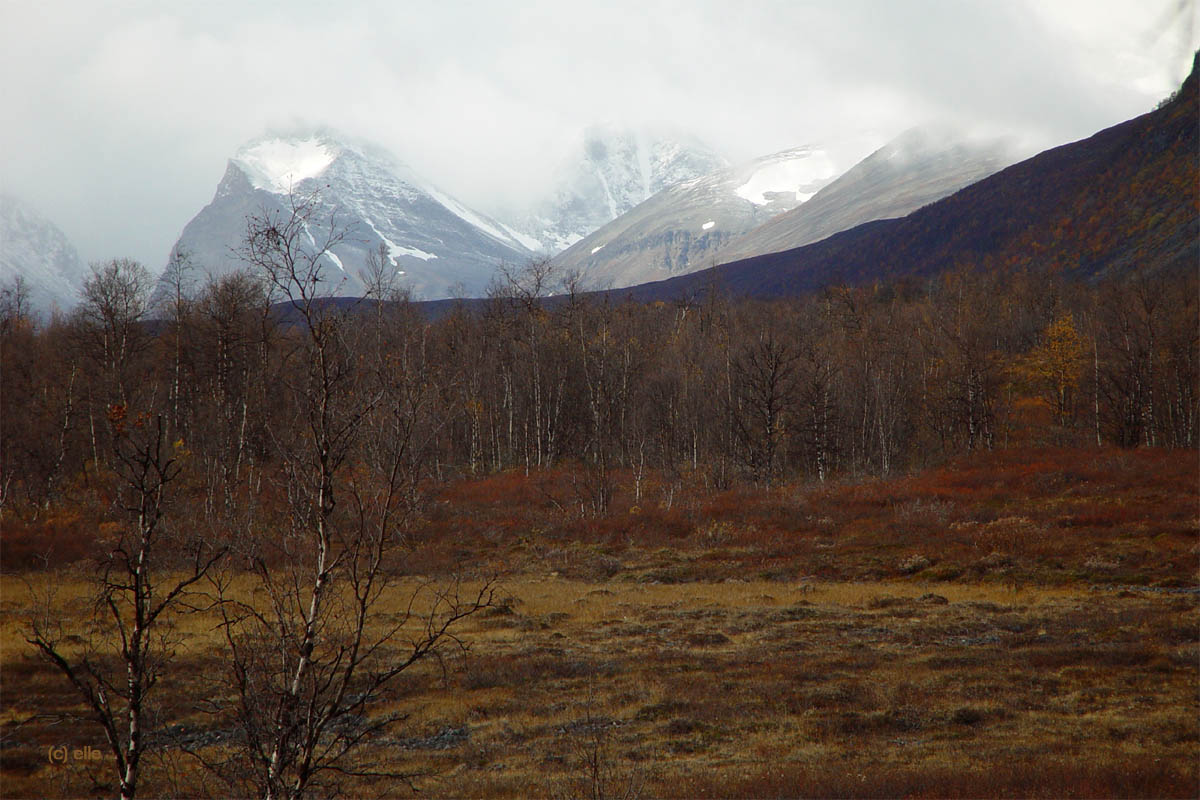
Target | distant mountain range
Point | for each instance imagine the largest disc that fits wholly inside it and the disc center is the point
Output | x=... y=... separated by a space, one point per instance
x=1123 y=200
x=439 y=246
x=777 y=202
x=656 y=212
x=629 y=207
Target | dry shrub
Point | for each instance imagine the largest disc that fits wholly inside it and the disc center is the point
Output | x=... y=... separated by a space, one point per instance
x=895 y=720
x=509 y=488
x=581 y=563
x=517 y=671
x=1107 y=517
x=1040 y=778
x=55 y=539
x=1096 y=656
x=648 y=526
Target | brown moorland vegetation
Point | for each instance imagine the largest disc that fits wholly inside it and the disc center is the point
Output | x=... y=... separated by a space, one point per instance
x=1023 y=623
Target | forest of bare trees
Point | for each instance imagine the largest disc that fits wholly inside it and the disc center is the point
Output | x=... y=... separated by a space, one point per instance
x=868 y=380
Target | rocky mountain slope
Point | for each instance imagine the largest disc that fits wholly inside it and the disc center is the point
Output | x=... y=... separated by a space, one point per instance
x=680 y=229
x=1123 y=201
x=34 y=248
x=437 y=246
x=914 y=169
x=611 y=170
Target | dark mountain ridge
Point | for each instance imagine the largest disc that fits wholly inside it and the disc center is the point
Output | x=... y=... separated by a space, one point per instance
x=1122 y=200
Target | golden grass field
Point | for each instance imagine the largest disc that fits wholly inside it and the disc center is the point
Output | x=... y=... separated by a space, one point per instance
x=1040 y=678
x=748 y=689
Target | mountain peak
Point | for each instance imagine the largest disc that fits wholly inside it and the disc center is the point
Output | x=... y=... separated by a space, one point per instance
x=612 y=168
x=437 y=246
x=277 y=164
x=35 y=249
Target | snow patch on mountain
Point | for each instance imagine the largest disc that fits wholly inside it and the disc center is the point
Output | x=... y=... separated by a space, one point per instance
x=414 y=252
x=278 y=165
x=397 y=249
x=529 y=242
x=799 y=173
x=470 y=216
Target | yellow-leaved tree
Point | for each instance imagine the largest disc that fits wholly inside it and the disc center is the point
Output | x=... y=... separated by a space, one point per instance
x=1055 y=366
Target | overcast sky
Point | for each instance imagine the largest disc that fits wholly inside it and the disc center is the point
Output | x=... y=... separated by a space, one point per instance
x=117 y=118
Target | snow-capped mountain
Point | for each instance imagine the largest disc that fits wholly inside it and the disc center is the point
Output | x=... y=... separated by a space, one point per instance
x=438 y=246
x=34 y=248
x=914 y=169
x=681 y=228
x=612 y=169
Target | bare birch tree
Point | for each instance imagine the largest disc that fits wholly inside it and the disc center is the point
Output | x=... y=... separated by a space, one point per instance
x=312 y=654
x=142 y=584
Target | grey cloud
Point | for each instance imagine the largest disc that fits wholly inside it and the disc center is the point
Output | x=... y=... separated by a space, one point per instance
x=118 y=118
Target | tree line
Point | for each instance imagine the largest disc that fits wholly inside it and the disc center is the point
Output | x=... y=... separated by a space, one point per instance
x=867 y=380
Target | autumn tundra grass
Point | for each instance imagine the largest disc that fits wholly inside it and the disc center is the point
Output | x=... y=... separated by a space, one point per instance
x=1024 y=624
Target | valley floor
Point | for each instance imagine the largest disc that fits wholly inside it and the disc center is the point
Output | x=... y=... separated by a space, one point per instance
x=1020 y=625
